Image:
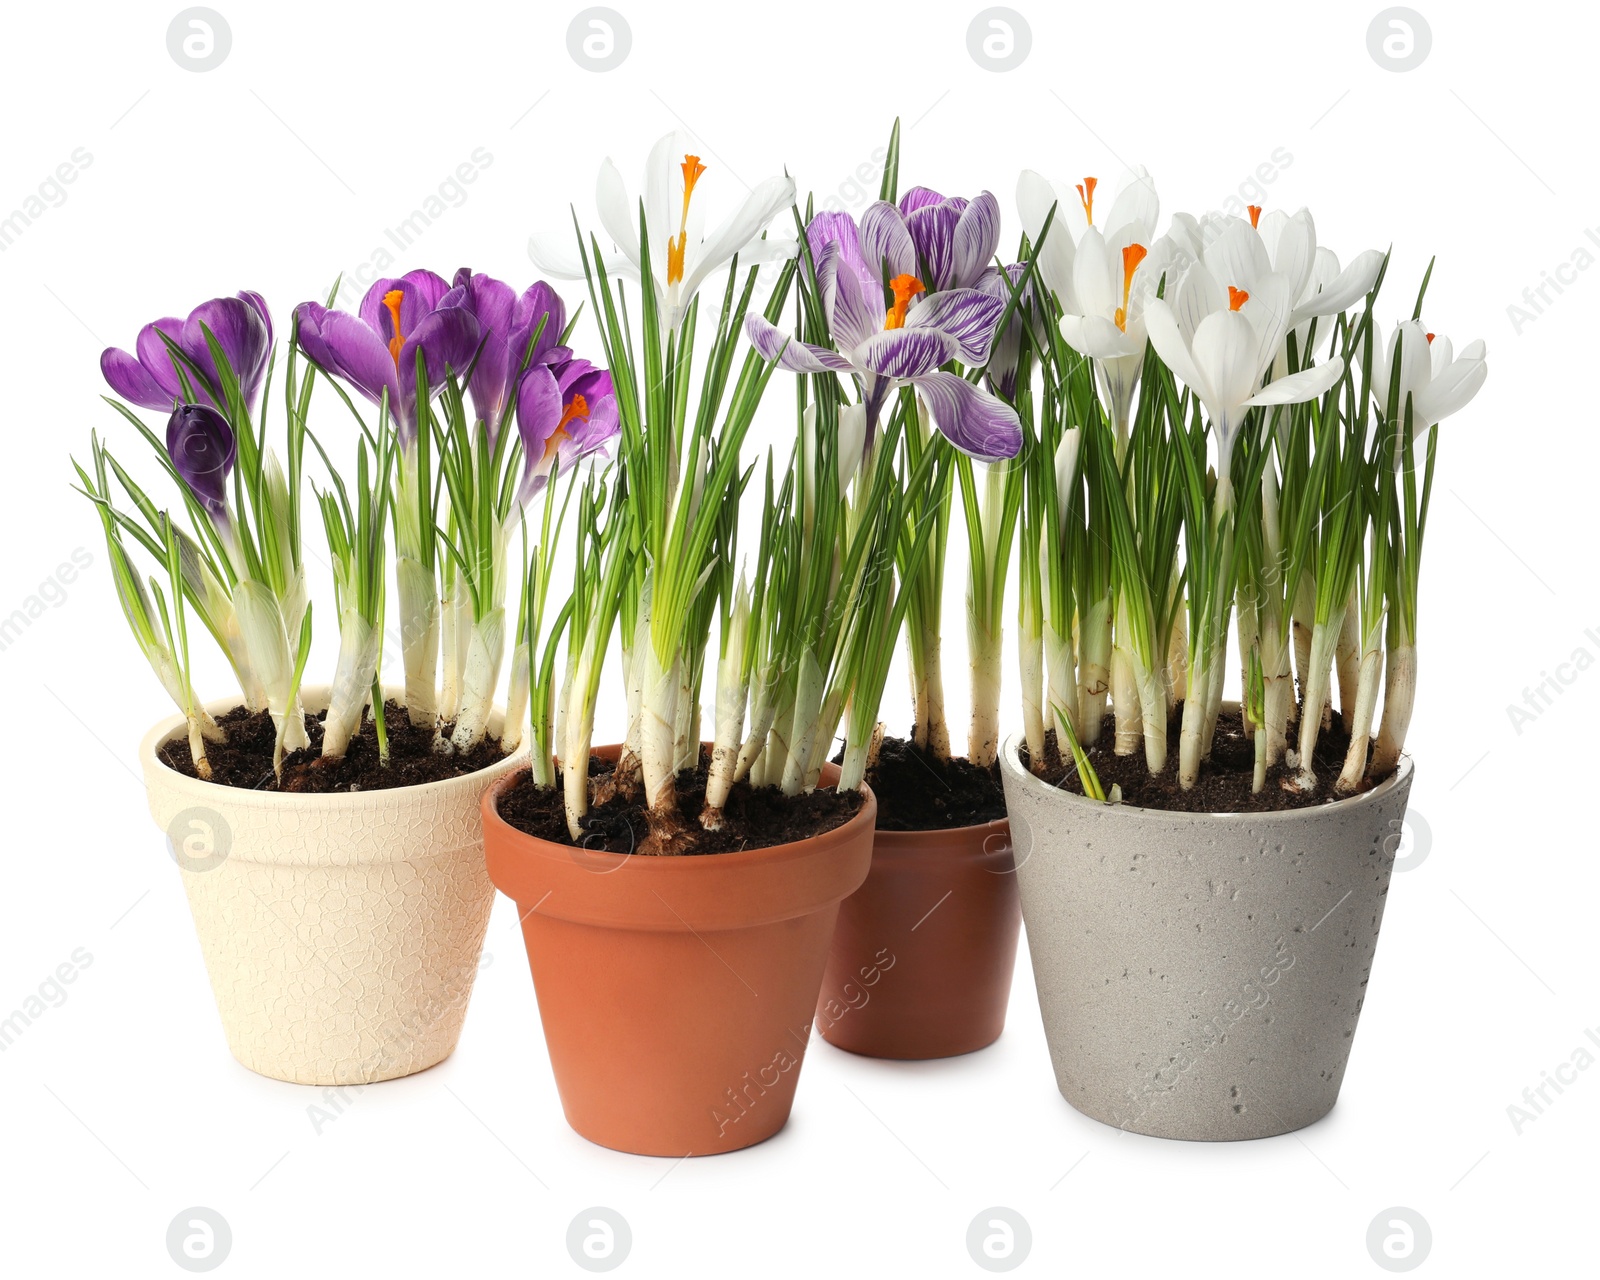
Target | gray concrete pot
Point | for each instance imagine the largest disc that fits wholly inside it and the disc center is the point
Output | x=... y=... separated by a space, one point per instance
x=1200 y=975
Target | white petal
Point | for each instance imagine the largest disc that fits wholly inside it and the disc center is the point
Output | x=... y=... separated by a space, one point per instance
x=1035 y=196
x=618 y=214
x=556 y=255
x=1308 y=384
x=1351 y=285
x=1167 y=338
x=759 y=208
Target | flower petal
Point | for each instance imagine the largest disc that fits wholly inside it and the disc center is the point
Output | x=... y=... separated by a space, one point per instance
x=977 y=236
x=906 y=353
x=970 y=316
x=886 y=242
x=132 y=381
x=790 y=353
x=851 y=319
x=1293 y=388
x=974 y=421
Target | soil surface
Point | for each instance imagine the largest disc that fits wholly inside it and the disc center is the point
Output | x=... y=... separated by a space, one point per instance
x=245 y=759
x=617 y=821
x=1225 y=779
x=919 y=792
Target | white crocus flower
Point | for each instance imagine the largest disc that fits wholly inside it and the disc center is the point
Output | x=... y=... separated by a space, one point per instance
x=1220 y=340
x=1438 y=382
x=682 y=254
x=1131 y=219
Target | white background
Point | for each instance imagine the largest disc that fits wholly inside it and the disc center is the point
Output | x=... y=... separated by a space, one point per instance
x=329 y=123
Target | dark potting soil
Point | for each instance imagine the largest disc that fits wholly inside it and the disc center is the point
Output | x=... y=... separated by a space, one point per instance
x=1225 y=779
x=919 y=792
x=618 y=822
x=245 y=759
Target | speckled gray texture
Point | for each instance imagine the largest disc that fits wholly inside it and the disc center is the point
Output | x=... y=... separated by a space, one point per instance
x=1200 y=975
x=341 y=932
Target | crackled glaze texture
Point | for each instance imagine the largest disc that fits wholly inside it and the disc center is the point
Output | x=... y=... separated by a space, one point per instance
x=1200 y=975
x=341 y=932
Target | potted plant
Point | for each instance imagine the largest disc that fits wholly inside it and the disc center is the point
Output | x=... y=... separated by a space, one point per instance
x=328 y=837
x=905 y=303
x=1237 y=450
x=678 y=896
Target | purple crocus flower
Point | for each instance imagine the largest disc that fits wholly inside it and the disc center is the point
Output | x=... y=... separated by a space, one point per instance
x=507 y=324
x=565 y=413
x=903 y=344
x=948 y=243
x=376 y=350
x=1001 y=371
x=202 y=447
x=242 y=327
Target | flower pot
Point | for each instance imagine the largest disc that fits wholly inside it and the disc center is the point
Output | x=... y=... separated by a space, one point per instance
x=342 y=931
x=677 y=992
x=922 y=957
x=1200 y=975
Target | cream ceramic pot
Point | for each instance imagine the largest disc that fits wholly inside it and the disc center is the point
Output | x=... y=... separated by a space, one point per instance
x=341 y=932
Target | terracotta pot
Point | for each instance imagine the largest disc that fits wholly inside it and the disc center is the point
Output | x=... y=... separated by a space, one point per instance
x=341 y=932
x=1201 y=974
x=922 y=959
x=676 y=992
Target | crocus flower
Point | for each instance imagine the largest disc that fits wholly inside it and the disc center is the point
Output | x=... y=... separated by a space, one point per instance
x=243 y=329
x=202 y=447
x=376 y=350
x=903 y=344
x=1130 y=218
x=1220 y=340
x=682 y=256
x=948 y=243
x=1437 y=381
x=565 y=413
x=1001 y=371
x=506 y=324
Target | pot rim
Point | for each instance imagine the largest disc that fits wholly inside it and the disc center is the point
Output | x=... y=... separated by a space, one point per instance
x=315 y=698
x=794 y=849
x=1011 y=766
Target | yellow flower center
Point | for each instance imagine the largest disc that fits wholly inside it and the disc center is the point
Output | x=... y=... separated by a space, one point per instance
x=692 y=169
x=905 y=288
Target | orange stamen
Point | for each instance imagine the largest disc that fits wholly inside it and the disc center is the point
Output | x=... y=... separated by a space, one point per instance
x=1086 y=194
x=1430 y=339
x=692 y=169
x=1132 y=256
x=1236 y=298
x=392 y=300
x=579 y=410
x=905 y=288
x=1255 y=215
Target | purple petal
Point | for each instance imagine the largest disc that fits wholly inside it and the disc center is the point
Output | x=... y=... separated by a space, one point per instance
x=851 y=318
x=840 y=228
x=886 y=242
x=538 y=412
x=448 y=339
x=202 y=448
x=132 y=381
x=906 y=353
x=933 y=232
x=977 y=236
x=918 y=198
x=973 y=420
x=790 y=353
x=969 y=316
x=157 y=359
x=540 y=302
x=240 y=332
x=420 y=292
x=358 y=355
x=260 y=304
